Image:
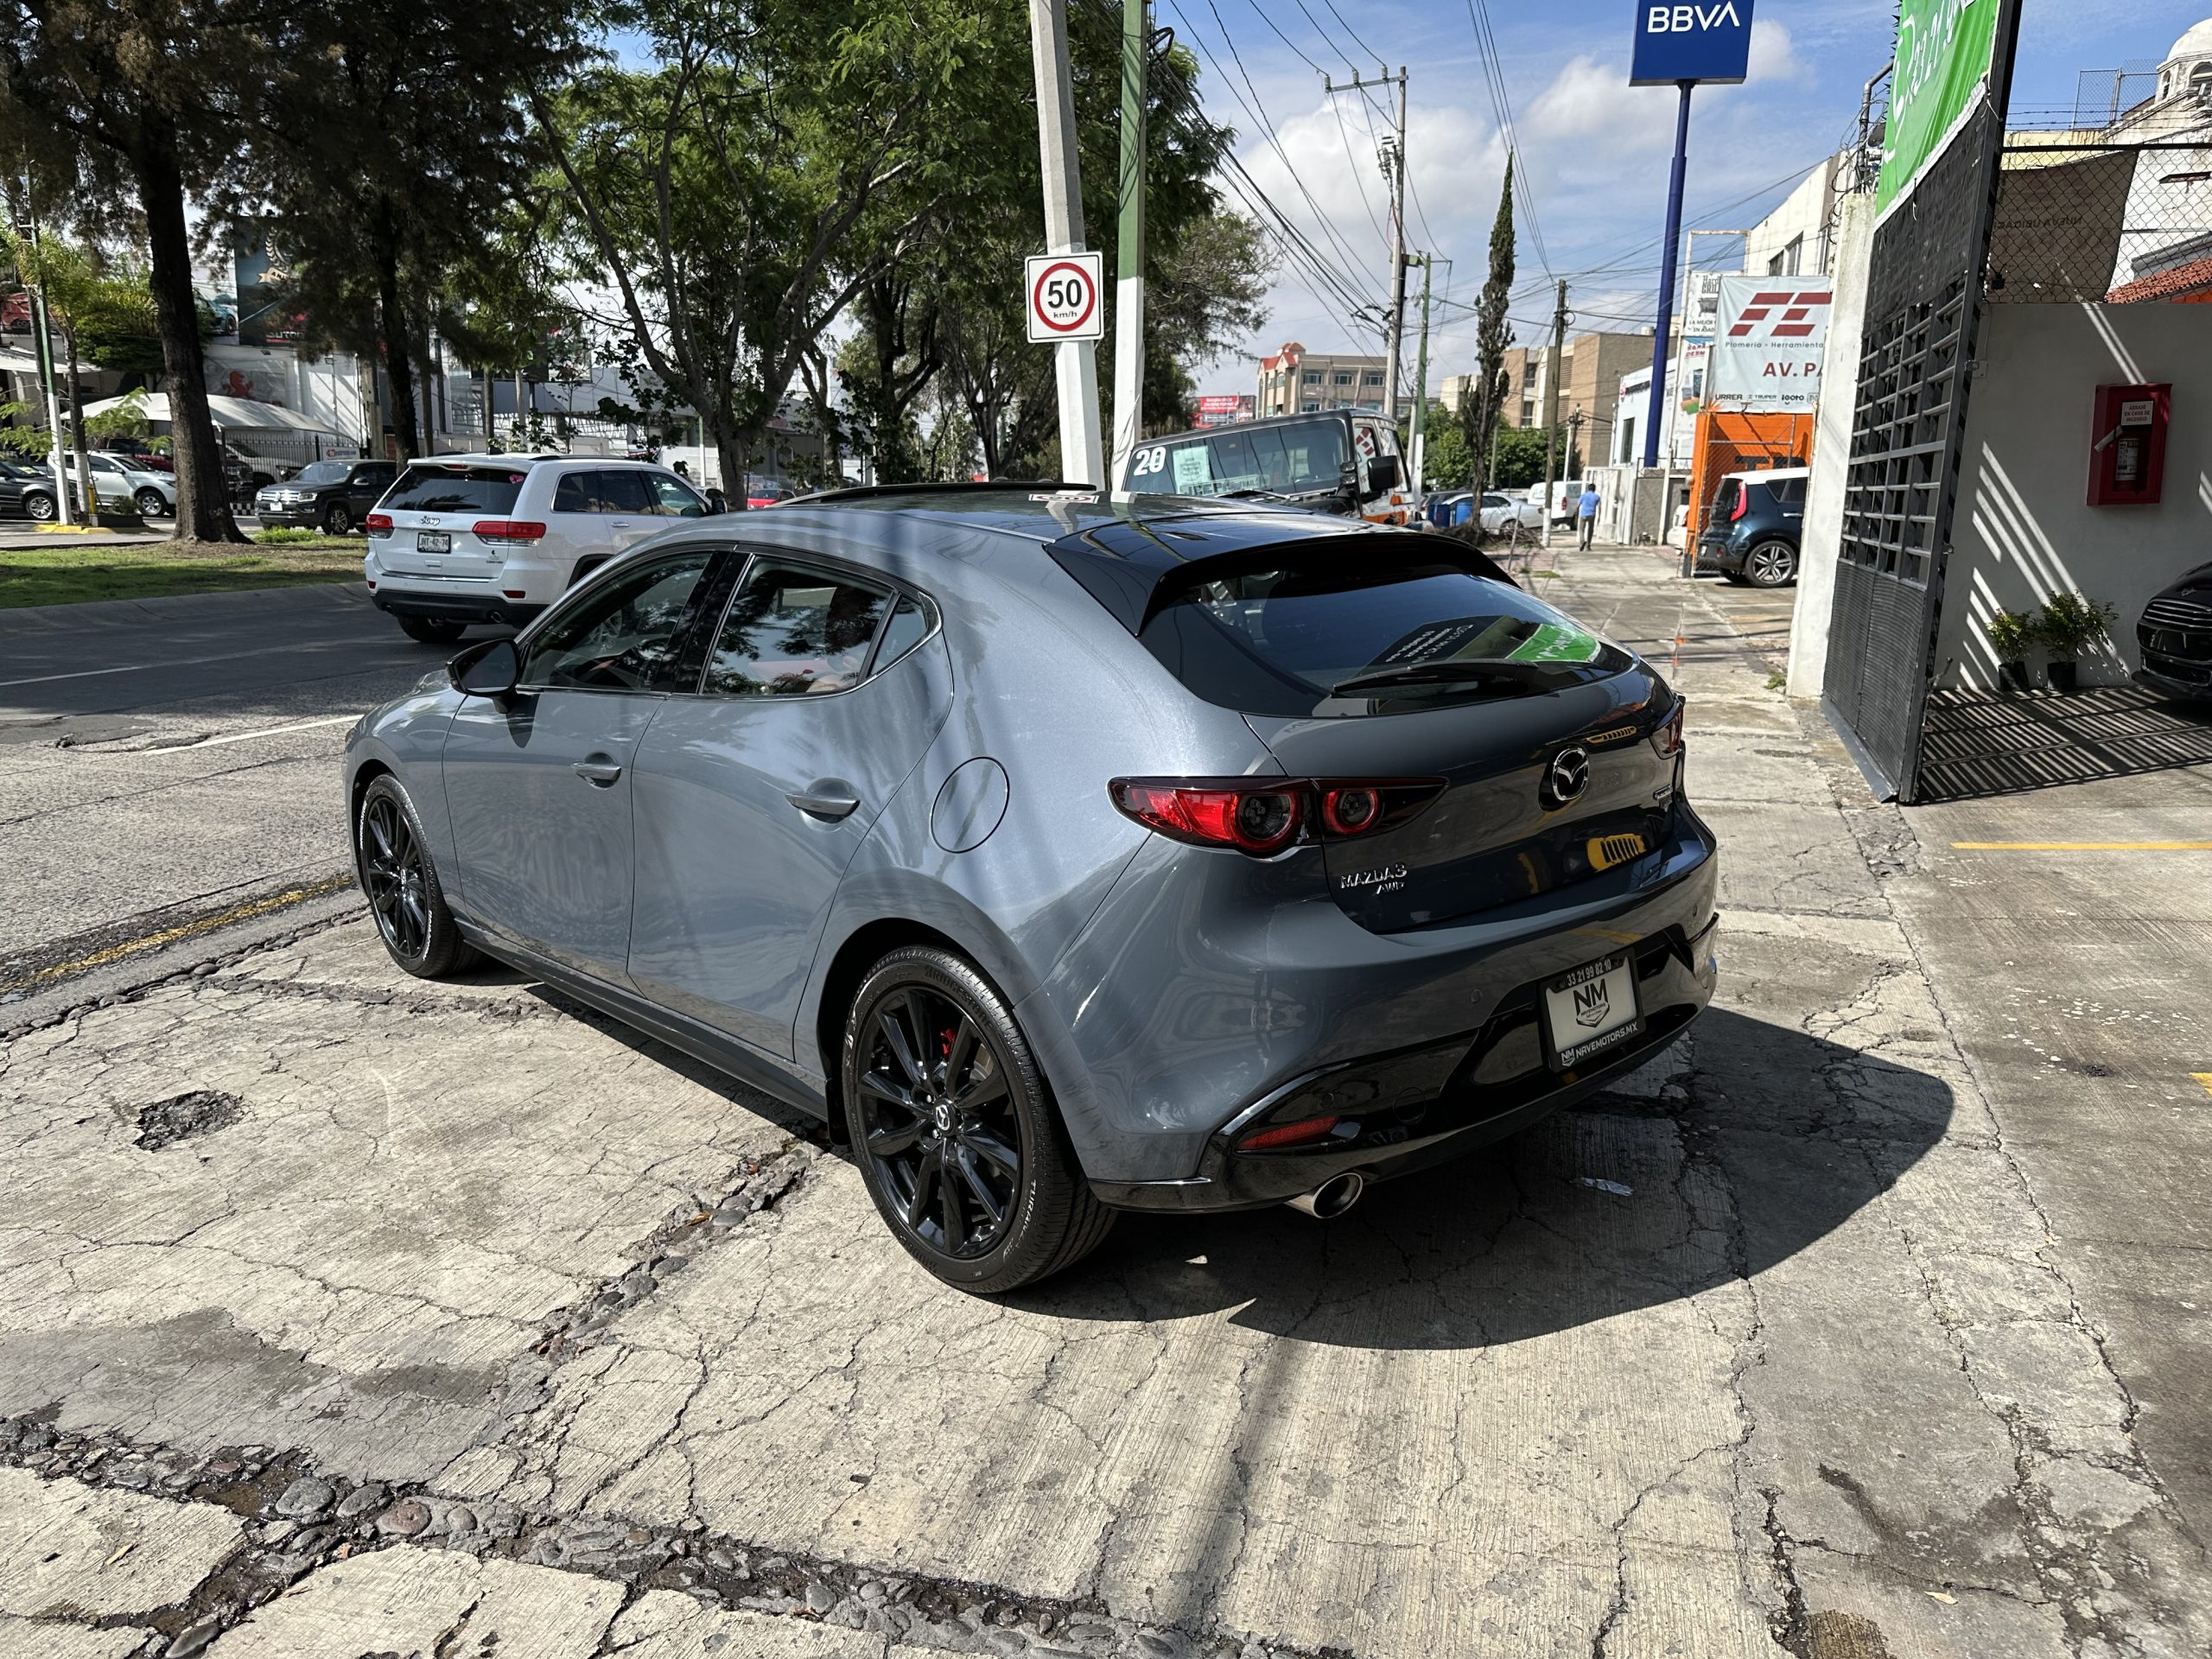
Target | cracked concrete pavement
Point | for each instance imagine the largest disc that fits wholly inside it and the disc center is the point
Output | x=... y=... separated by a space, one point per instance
x=381 y=1317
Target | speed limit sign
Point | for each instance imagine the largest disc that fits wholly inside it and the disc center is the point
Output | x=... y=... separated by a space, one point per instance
x=1063 y=297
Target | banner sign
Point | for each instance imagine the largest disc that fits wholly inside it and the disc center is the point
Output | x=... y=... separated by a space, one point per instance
x=1946 y=49
x=1226 y=409
x=1705 y=40
x=1766 y=354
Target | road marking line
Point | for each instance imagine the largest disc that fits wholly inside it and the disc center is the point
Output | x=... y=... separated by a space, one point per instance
x=242 y=737
x=115 y=953
x=2082 y=846
x=2204 y=1077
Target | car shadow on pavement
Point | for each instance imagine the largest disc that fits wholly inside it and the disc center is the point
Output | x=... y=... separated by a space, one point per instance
x=1765 y=1140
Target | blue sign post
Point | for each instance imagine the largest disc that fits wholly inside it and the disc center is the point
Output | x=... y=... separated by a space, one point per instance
x=1707 y=41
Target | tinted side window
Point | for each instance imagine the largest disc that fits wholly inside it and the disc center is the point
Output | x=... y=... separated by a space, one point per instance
x=794 y=633
x=673 y=498
x=909 y=626
x=624 y=636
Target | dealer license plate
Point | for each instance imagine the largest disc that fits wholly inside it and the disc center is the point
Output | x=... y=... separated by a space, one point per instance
x=1591 y=1012
x=434 y=540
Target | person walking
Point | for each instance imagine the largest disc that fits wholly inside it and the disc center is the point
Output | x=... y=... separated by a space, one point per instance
x=1590 y=504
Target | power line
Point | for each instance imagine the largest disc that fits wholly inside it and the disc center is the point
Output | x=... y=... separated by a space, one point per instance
x=1502 y=108
x=1353 y=33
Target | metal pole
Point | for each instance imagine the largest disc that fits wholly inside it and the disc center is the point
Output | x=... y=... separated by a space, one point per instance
x=1082 y=457
x=1129 y=247
x=1397 y=330
x=1672 y=253
x=39 y=326
x=1420 y=456
x=1551 y=404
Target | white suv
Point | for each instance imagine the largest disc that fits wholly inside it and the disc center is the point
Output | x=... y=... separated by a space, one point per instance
x=497 y=538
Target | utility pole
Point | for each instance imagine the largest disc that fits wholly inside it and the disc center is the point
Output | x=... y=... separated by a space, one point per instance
x=1420 y=451
x=1552 y=371
x=1667 y=258
x=1129 y=248
x=1394 y=170
x=1082 y=458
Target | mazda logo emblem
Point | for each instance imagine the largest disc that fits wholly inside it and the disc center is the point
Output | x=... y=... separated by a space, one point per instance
x=1567 y=777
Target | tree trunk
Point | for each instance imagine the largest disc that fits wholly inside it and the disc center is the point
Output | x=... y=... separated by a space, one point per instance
x=203 y=506
x=733 y=456
x=398 y=353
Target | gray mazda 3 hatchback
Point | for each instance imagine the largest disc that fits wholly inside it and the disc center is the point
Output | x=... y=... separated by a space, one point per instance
x=1068 y=857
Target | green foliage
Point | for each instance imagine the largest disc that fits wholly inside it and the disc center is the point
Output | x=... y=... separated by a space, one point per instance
x=1446 y=462
x=278 y=535
x=126 y=420
x=2071 y=623
x=1520 y=457
x=2011 y=633
x=1483 y=404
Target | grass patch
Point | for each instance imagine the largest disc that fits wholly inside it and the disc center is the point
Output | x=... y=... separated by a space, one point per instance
x=290 y=536
x=71 y=576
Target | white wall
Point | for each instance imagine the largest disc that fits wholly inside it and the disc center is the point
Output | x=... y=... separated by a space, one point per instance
x=1820 y=539
x=1803 y=214
x=2024 y=529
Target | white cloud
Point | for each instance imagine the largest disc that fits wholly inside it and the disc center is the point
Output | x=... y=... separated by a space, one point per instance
x=1774 y=55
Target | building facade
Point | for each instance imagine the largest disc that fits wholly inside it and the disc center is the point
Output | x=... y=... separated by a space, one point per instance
x=1295 y=381
x=1589 y=386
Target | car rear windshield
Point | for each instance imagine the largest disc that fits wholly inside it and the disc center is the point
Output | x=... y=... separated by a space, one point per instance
x=1297 y=458
x=1315 y=638
x=456 y=489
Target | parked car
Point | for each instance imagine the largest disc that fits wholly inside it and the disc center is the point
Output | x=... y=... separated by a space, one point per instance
x=1068 y=858
x=2175 y=633
x=336 y=496
x=1752 y=534
x=27 y=491
x=497 y=538
x=114 y=487
x=150 y=494
x=137 y=452
x=247 y=473
x=1338 y=461
x=1500 y=510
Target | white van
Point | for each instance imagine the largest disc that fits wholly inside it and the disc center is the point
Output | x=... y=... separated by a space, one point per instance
x=497 y=538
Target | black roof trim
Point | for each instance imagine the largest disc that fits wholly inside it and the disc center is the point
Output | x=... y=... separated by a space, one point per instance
x=877 y=491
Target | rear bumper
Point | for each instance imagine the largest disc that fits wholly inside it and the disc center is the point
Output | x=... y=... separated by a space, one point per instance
x=1723 y=555
x=473 y=607
x=1413 y=1110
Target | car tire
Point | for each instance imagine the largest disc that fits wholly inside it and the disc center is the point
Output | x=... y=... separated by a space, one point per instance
x=392 y=864
x=1770 y=564
x=338 y=520
x=150 y=503
x=38 y=506
x=432 y=630
x=954 y=1131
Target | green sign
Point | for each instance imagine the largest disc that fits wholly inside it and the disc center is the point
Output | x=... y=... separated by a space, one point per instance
x=1945 y=49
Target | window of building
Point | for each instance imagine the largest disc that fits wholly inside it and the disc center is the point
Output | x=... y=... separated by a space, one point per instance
x=1342 y=377
x=1790 y=262
x=1312 y=377
x=1372 y=377
x=2199 y=80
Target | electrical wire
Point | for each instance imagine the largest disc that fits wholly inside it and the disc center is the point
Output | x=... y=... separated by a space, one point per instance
x=1502 y=108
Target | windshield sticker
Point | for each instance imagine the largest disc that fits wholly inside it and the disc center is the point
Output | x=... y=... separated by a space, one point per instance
x=1193 y=470
x=1553 y=643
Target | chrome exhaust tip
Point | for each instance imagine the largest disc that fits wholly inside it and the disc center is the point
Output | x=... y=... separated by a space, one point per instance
x=1332 y=1198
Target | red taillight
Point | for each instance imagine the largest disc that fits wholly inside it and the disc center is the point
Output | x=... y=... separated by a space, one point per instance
x=507 y=532
x=378 y=524
x=1262 y=815
x=1668 y=740
x=1289 y=1134
x=1252 y=820
x=1741 y=505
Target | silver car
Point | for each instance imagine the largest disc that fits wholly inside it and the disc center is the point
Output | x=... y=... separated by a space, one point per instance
x=1067 y=857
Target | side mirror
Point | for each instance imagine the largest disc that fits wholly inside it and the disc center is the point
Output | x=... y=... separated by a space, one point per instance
x=486 y=671
x=717 y=502
x=1383 y=473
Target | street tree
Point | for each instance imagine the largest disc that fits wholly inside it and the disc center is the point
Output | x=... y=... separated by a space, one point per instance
x=137 y=102
x=1480 y=409
x=737 y=196
x=389 y=137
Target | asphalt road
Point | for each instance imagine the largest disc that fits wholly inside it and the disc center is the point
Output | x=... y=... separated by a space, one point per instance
x=168 y=760
x=1869 y=1322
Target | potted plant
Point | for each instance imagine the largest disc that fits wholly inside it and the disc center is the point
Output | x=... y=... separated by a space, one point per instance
x=2011 y=633
x=2071 y=623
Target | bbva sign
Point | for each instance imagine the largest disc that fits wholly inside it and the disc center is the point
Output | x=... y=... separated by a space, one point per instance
x=1703 y=40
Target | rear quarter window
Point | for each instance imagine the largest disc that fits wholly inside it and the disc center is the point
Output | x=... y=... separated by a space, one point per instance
x=444 y=489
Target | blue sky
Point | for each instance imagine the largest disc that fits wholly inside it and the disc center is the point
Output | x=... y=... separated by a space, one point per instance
x=1594 y=150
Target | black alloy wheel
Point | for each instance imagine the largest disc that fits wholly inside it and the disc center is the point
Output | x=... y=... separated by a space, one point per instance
x=954 y=1129
x=396 y=873
x=1770 y=564
x=339 y=519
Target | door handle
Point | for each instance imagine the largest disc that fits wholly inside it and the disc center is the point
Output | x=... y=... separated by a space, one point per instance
x=599 y=771
x=830 y=801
